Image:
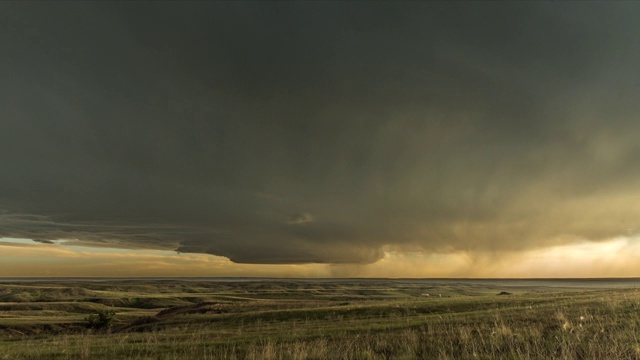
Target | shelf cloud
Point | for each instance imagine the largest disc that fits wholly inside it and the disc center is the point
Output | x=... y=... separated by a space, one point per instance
x=320 y=132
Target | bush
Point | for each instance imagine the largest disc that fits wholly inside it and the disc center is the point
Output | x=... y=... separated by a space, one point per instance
x=102 y=320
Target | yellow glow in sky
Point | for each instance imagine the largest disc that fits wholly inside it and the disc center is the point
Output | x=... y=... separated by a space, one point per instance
x=614 y=258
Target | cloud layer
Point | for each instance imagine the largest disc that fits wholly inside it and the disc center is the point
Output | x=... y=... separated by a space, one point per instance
x=319 y=132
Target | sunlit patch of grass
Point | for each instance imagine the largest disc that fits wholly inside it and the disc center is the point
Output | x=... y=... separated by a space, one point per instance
x=285 y=320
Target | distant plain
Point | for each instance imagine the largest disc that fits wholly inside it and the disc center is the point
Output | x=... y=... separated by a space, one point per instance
x=319 y=318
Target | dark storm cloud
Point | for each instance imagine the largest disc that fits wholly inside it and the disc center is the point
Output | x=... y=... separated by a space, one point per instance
x=319 y=132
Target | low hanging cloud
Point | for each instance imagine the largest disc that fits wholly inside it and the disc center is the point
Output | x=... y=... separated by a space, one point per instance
x=319 y=132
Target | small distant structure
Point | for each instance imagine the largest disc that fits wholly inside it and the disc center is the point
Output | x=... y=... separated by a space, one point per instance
x=429 y=295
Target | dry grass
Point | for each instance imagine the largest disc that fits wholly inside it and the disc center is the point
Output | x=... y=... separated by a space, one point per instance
x=393 y=322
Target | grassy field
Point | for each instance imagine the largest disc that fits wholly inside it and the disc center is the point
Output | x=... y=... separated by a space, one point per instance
x=320 y=319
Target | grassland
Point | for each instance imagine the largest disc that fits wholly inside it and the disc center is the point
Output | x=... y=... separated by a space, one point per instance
x=321 y=319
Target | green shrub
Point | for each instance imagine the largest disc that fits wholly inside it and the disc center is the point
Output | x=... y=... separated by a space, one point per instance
x=102 y=320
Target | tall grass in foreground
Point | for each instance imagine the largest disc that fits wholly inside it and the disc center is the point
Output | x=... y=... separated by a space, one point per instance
x=596 y=329
x=316 y=320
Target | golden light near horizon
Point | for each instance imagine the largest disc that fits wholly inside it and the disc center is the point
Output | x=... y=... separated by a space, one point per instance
x=313 y=139
x=613 y=258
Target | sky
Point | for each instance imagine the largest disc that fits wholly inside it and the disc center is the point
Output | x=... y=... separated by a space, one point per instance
x=320 y=139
